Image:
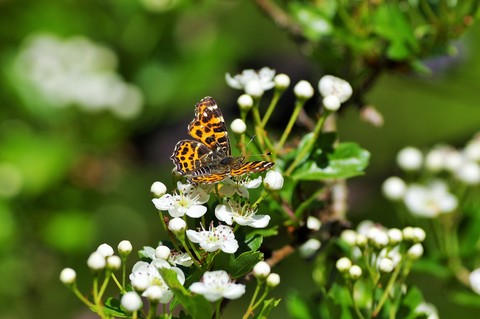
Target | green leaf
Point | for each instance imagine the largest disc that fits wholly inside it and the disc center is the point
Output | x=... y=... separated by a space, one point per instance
x=112 y=308
x=240 y=266
x=195 y=305
x=254 y=242
x=468 y=299
x=410 y=302
x=267 y=307
x=347 y=160
x=314 y=23
x=297 y=307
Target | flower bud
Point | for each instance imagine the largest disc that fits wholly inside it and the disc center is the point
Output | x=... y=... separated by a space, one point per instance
x=282 y=81
x=331 y=103
x=386 y=265
x=343 y=264
x=435 y=160
x=131 y=301
x=177 y=225
x=245 y=102
x=124 y=248
x=408 y=233
x=114 y=262
x=273 y=280
x=313 y=223
x=158 y=189
x=474 y=279
x=309 y=248
x=153 y=293
x=472 y=150
x=238 y=126
x=303 y=90
x=332 y=85
x=254 y=89
x=139 y=283
x=355 y=272
x=418 y=234
x=68 y=276
x=469 y=173
x=395 y=236
x=377 y=237
x=96 y=261
x=410 y=159
x=105 y=249
x=361 y=240
x=261 y=269
x=349 y=236
x=415 y=252
x=273 y=181
x=394 y=188
x=162 y=252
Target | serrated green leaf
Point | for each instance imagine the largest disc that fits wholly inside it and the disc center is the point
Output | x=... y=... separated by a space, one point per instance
x=195 y=305
x=347 y=160
x=244 y=263
x=254 y=242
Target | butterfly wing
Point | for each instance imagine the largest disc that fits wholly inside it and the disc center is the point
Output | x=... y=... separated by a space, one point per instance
x=251 y=167
x=209 y=127
x=189 y=156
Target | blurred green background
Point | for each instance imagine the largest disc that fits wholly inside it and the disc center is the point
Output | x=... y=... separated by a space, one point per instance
x=95 y=94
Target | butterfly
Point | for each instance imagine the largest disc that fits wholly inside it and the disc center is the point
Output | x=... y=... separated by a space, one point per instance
x=208 y=158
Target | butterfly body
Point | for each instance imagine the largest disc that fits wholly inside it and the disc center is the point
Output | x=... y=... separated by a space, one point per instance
x=207 y=158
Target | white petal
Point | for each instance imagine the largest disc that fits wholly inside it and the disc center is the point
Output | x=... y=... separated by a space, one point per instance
x=232 y=82
x=230 y=246
x=224 y=214
x=234 y=291
x=254 y=183
x=260 y=221
x=198 y=288
x=194 y=236
x=196 y=211
x=242 y=191
x=163 y=203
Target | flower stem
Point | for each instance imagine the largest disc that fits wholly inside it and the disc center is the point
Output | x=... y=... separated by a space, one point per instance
x=259 y=131
x=82 y=297
x=252 y=302
x=386 y=292
x=298 y=106
x=271 y=107
x=351 y=288
x=120 y=286
x=308 y=148
x=152 y=311
x=217 y=309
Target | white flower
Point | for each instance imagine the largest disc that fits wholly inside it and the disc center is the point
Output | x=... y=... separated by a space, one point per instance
x=332 y=85
x=216 y=285
x=254 y=88
x=378 y=237
x=154 y=293
x=114 y=262
x=239 y=186
x=244 y=215
x=264 y=78
x=96 y=261
x=453 y=159
x=427 y=309
x=394 y=188
x=162 y=252
x=282 y=81
x=349 y=236
x=238 y=126
x=436 y=158
x=331 y=103
x=215 y=238
x=309 y=248
x=273 y=180
x=343 y=264
x=355 y=272
x=261 y=269
x=415 y=252
x=158 y=189
x=410 y=158
x=245 y=102
x=68 y=276
x=303 y=90
x=386 y=265
x=472 y=150
x=182 y=259
x=188 y=201
x=474 y=279
x=105 y=249
x=395 y=236
x=177 y=225
x=273 y=280
x=430 y=201
x=125 y=247
x=131 y=301
x=469 y=173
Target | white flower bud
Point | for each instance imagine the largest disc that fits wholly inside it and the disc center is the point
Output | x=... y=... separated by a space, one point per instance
x=162 y=252
x=96 y=261
x=131 y=301
x=410 y=159
x=158 y=189
x=177 y=225
x=474 y=279
x=349 y=236
x=105 y=249
x=261 y=269
x=355 y=272
x=332 y=85
x=361 y=240
x=245 y=102
x=469 y=173
x=140 y=283
x=395 y=236
x=418 y=234
x=238 y=126
x=114 y=262
x=331 y=103
x=453 y=160
x=153 y=293
x=377 y=237
x=273 y=181
x=472 y=150
x=343 y=264
x=273 y=280
x=394 y=188
x=68 y=276
x=303 y=90
x=313 y=223
x=408 y=233
x=435 y=160
x=415 y=252
x=386 y=265
x=282 y=81
x=125 y=248
x=254 y=88
x=309 y=248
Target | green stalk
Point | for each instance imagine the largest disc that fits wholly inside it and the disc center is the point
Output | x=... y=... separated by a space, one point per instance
x=271 y=107
x=296 y=111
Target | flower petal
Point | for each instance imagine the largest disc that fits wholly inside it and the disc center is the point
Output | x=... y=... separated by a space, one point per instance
x=234 y=291
x=224 y=214
x=196 y=211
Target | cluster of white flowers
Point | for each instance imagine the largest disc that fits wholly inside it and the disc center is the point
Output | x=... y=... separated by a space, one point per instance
x=386 y=248
x=334 y=90
x=75 y=71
